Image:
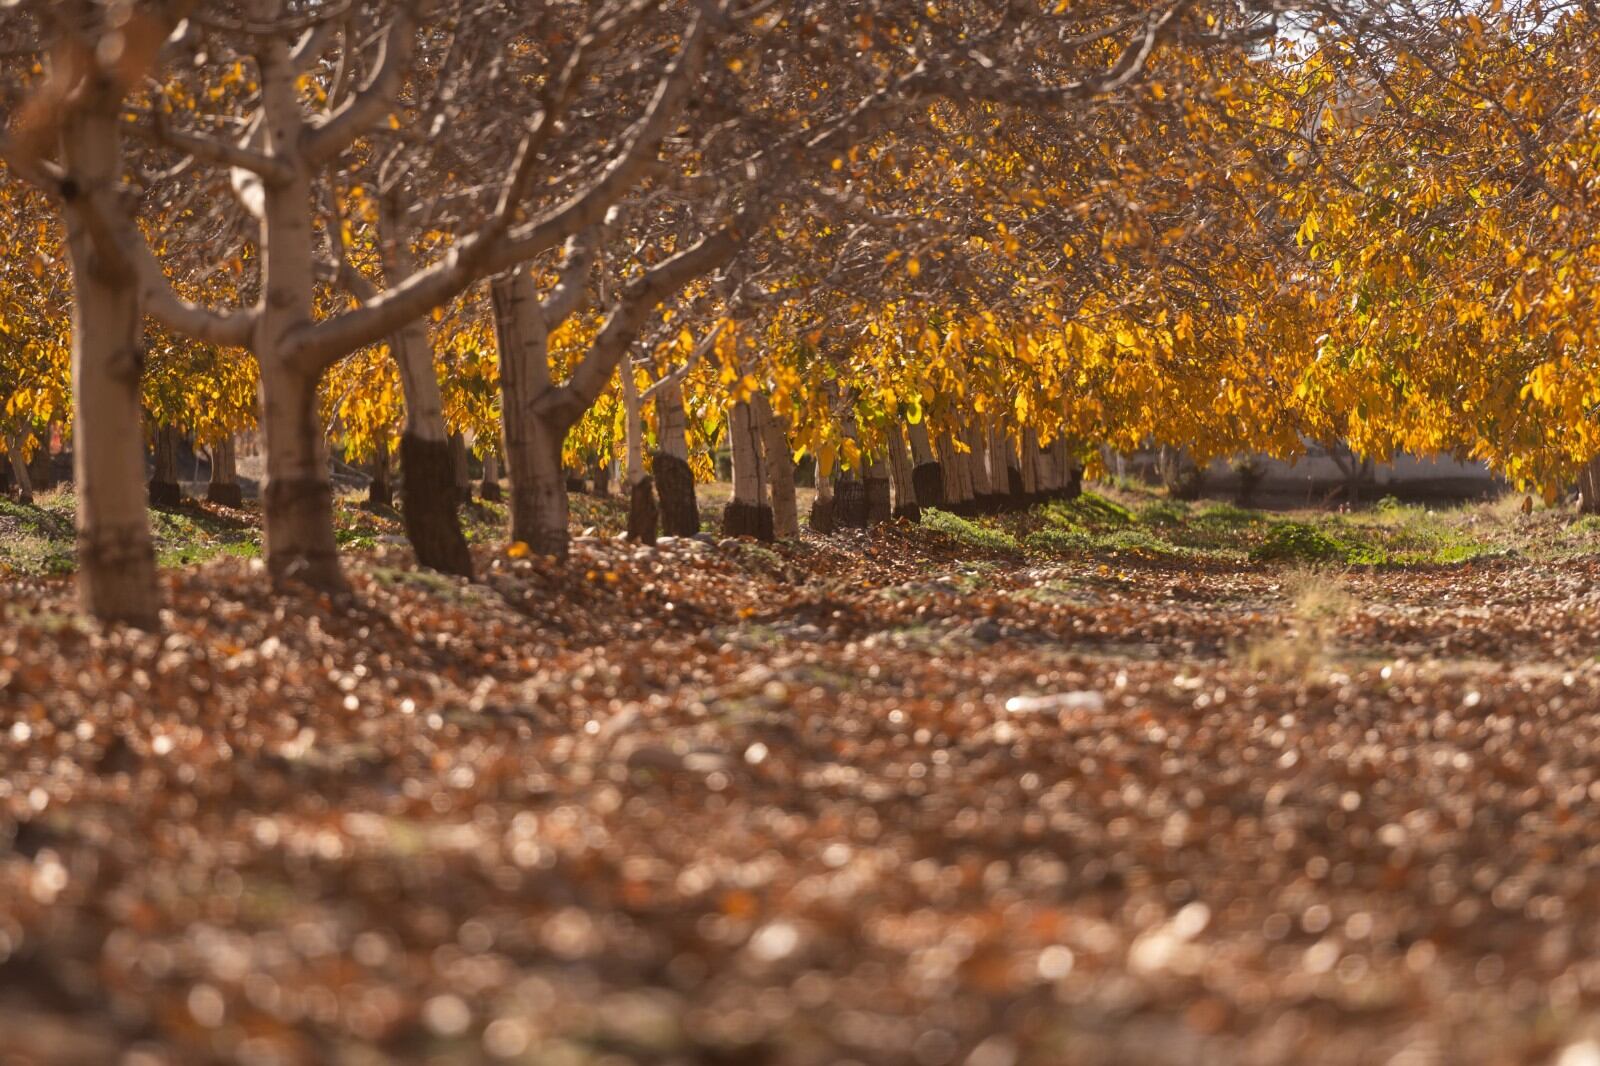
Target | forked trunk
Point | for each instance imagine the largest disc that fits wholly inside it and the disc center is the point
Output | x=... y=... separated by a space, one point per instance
x=116 y=560
x=297 y=496
x=780 y=469
x=429 y=489
x=223 y=486
x=748 y=514
x=533 y=439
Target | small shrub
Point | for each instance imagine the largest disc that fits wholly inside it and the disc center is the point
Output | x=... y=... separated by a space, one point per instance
x=1298 y=542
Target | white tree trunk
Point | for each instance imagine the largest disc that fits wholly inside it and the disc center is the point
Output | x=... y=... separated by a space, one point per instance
x=1031 y=462
x=532 y=440
x=748 y=514
x=632 y=430
x=116 y=560
x=905 y=493
x=19 y=466
x=297 y=497
x=977 y=437
x=780 y=469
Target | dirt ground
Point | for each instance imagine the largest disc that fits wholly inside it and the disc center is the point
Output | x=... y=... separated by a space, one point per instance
x=876 y=799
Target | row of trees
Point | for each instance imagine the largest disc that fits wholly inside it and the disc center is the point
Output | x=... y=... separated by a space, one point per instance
x=944 y=249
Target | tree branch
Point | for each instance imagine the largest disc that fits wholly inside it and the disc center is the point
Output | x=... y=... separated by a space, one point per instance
x=373 y=100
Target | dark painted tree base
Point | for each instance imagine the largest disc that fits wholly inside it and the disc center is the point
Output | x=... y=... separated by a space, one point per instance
x=1014 y=483
x=225 y=494
x=991 y=503
x=850 y=504
x=747 y=520
x=165 y=494
x=575 y=484
x=821 y=519
x=429 y=499
x=928 y=481
x=909 y=513
x=879 y=501
x=680 y=513
x=965 y=508
x=490 y=492
x=643 y=515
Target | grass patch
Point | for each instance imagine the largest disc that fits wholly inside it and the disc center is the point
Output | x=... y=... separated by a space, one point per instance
x=1319 y=602
x=969 y=533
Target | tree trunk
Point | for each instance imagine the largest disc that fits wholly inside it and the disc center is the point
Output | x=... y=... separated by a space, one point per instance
x=879 y=501
x=849 y=501
x=680 y=513
x=1030 y=464
x=164 y=488
x=780 y=469
x=19 y=467
x=297 y=496
x=40 y=471
x=223 y=486
x=533 y=438
x=116 y=560
x=748 y=514
x=489 y=487
x=542 y=498
x=957 y=481
x=1589 y=488
x=822 y=505
x=460 y=471
x=901 y=475
x=600 y=477
x=976 y=434
x=927 y=476
x=380 y=490
x=432 y=462
x=643 y=515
